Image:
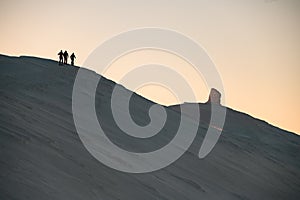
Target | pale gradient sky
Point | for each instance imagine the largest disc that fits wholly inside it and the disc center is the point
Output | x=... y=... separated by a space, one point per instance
x=254 y=44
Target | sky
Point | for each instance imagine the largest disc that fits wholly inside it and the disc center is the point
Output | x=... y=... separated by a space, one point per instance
x=254 y=44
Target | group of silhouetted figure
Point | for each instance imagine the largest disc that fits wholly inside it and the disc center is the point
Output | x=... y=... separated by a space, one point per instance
x=63 y=58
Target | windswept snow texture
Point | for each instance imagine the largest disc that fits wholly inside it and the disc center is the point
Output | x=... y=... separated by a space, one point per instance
x=42 y=157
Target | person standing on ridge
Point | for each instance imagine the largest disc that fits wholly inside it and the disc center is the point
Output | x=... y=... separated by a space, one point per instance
x=60 y=62
x=66 y=55
x=72 y=59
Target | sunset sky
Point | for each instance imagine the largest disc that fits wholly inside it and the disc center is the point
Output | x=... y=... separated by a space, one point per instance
x=254 y=44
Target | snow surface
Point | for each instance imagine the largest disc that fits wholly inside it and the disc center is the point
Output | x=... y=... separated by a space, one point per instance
x=42 y=157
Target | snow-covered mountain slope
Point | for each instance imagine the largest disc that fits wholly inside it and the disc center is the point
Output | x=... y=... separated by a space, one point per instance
x=42 y=157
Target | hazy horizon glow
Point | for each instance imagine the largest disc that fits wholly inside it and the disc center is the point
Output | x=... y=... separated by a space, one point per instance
x=254 y=44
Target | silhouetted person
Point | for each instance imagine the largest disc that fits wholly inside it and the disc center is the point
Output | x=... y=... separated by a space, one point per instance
x=66 y=55
x=61 y=54
x=72 y=59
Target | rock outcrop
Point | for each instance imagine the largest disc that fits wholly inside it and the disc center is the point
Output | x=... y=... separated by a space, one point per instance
x=214 y=96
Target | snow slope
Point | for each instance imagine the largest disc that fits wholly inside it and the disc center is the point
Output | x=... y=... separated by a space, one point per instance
x=42 y=157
